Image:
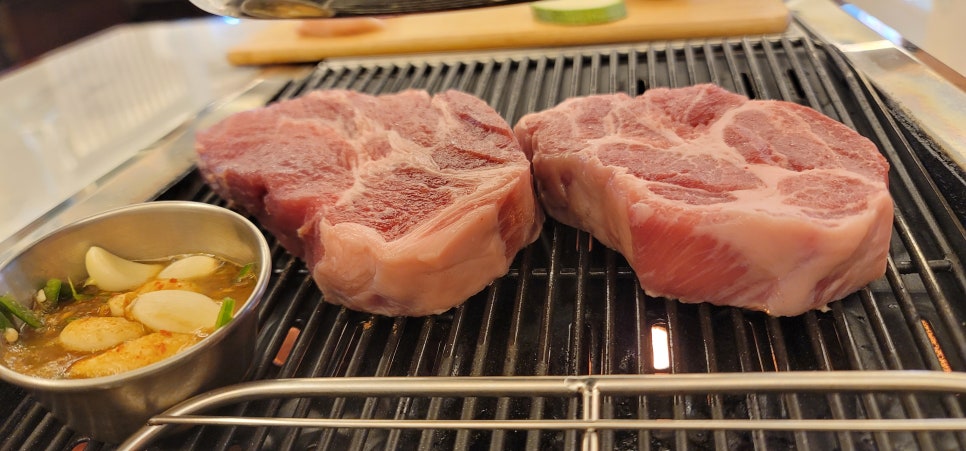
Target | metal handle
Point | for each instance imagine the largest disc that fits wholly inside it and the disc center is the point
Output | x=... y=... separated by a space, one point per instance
x=591 y=389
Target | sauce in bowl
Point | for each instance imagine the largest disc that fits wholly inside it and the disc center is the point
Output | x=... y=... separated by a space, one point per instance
x=88 y=331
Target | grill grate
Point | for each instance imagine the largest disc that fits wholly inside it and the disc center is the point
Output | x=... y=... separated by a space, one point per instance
x=571 y=307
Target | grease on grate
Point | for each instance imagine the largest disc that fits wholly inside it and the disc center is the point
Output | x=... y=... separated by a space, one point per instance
x=935 y=346
x=286 y=348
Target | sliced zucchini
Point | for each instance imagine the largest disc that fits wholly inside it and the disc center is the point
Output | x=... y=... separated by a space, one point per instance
x=578 y=12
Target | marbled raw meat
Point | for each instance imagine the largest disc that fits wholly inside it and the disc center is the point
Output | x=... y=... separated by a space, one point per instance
x=712 y=197
x=400 y=204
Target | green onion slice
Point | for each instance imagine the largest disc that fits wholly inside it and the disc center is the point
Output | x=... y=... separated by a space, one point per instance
x=245 y=271
x=52 y=292
x=225 y=313
x=5 y=321
x=18 y=310
x=73 y=292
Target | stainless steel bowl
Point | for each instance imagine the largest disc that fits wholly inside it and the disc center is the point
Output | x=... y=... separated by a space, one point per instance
x=111 y=408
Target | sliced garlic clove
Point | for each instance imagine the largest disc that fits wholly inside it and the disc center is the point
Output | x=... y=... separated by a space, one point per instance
x=193 y=267
x=119 y=302
x=168 y=284
x=175 y=311
x=137 y=353
x=112 y=273
x=97 y=333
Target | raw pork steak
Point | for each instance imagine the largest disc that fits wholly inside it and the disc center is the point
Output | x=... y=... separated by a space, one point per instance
x=713 y=197
x=401 y=204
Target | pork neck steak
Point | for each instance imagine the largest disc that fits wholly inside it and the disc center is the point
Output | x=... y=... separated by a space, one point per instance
x=712 y=197
x=400 y=204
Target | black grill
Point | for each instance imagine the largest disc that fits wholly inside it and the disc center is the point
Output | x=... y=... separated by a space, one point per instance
x=569 y=306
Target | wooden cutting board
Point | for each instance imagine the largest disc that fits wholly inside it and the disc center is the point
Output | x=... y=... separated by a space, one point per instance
x=513 y=26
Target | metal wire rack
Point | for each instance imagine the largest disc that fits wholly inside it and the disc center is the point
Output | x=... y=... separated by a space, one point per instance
x=592 y=393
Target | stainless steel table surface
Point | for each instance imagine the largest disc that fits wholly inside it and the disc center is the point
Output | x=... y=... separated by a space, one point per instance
x=70 y=117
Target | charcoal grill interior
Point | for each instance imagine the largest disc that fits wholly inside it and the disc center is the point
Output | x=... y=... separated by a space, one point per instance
x=570 y=306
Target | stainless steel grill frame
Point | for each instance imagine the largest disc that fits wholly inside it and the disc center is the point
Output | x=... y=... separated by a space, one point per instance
x=572 y=308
